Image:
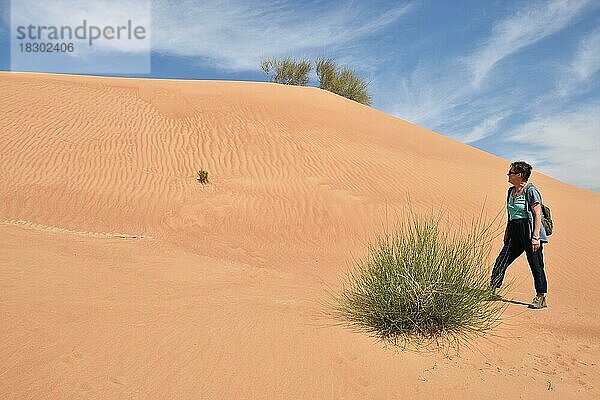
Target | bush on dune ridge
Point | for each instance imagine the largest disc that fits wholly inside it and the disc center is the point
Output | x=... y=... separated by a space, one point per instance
x=342 y=81
x=287 y=71
x=422 y=285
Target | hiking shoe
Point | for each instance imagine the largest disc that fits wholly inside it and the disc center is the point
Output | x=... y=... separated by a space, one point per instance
x=539 y=301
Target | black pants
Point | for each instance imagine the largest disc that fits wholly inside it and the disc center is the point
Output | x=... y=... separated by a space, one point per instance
x=519 y=241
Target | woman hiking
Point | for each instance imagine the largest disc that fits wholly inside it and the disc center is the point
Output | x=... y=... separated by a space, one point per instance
x=524 y=233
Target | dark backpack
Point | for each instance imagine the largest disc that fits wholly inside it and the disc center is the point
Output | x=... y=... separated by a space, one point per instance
x=547 y=220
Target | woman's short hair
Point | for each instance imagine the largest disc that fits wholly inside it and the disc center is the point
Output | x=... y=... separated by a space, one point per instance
x=521 y=167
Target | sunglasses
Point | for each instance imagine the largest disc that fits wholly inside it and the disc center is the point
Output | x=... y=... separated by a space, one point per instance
x=512 y=173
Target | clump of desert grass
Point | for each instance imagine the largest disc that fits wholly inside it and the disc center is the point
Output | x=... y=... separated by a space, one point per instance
x=287 y=71
x=423 y=283
x=202 y=177
x=332 y=77
x=342 y=81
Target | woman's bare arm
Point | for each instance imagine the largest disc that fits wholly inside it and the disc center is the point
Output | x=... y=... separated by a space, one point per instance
x=536 y=209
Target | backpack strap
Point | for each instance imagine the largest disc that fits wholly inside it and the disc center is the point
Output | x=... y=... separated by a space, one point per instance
x=508 y=201
x=526 y=192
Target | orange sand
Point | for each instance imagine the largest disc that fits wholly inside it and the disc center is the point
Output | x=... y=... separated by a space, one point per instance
x=122 y=277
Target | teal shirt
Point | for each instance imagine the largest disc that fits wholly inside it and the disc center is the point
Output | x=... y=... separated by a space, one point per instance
x=532 y=195
x=517 y=207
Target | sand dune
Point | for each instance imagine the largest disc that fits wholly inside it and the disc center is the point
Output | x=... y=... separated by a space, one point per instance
x=122 y=277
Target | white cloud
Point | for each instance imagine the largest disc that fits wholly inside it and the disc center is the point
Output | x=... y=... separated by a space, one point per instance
x=574 y=79
x=71 y=19
x=100 y=13
x=441 y=99
x=430 y=99
x=587 y=59
x=564 y=145
x=522 y=29
x=423 y=97
x=486 y=128
x=231 y=35
x=234 y=35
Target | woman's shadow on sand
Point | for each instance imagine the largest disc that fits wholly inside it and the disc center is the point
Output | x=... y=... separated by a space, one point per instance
x=519 y=303
x=511 y=301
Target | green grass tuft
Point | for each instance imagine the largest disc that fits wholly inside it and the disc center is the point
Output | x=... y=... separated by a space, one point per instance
x=422 y=284
x=342 y=81
x=202 y=177
x=288 y=71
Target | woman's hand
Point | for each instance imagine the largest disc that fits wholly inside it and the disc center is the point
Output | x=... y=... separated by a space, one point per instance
x=535 y=243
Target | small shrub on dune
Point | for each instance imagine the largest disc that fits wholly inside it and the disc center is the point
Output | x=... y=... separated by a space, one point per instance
x=288 y=71
x=342 y=81
x=422 y=285
x=202 y=177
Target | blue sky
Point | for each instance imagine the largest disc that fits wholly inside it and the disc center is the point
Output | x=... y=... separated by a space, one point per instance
x=519 y=79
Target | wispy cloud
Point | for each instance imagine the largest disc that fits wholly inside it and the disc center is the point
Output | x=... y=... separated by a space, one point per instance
x=233 y=35
x=561 y=134
x=574 y=79
x=450 y=106
x=429 y=98
x=564 y=145
x=484 y=129
x=230 y=34
x=522 y=29
x=425 y=96
x=99 y=13
x=587 y=59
